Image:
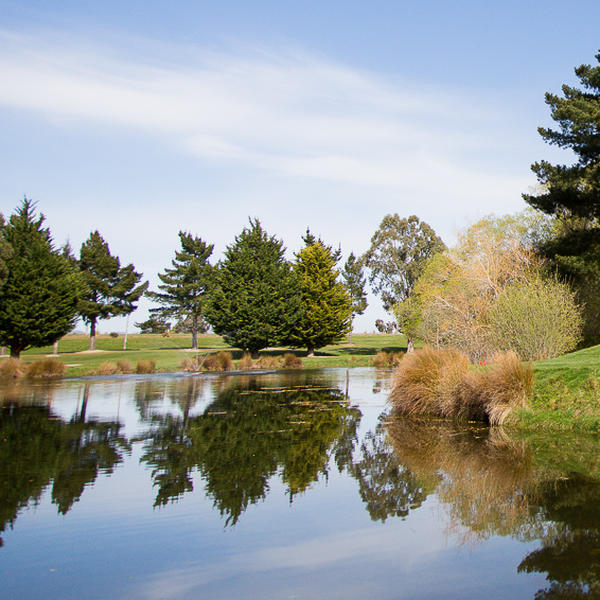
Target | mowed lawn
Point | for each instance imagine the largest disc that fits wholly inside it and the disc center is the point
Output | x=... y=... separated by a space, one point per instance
x=169 y=352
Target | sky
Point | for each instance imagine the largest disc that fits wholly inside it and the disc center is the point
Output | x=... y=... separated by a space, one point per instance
x=141 y=119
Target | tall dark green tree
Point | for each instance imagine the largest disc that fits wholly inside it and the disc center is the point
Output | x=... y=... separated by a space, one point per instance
x=184 y=287
x=111 y=290
x=353 y=275
x=327 y=306
x=396 y=258
x=255 y=301
x=39 y=298
x=572 y=192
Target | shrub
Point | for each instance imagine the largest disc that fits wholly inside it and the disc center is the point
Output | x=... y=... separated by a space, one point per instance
x=106 y=368
x=113 y=334
x=386 y=360
x=246 y=363
x=268 y=362
x=192 y=365
x=537 y=320
x=124 y=366
x=46 y=368
x=145 y=366
x=291 y=361
x=438 y=382
x=12 y=368
x=224 y=361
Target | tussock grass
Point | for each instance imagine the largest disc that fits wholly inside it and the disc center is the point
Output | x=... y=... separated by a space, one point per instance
x=268 y=362
x=107 y=368
x=439 y=382
x=291 y=361
x=246 y=363
x=145 y=366
x=387 y=360
x=47 y=368
x=124 y=366
x=12 y=368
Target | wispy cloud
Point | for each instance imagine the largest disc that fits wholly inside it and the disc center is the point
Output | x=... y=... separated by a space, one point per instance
x=293 y=114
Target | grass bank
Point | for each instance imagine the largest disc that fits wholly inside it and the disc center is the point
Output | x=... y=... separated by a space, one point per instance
x=169 y=352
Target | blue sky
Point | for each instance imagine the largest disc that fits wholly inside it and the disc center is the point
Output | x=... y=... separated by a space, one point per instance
x=143 y=118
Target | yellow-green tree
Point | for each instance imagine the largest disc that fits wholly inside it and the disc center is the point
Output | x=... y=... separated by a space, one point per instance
x=327 y=307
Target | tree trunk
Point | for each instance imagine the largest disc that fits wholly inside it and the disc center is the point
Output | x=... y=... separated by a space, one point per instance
x=93 y=335
x=254 y=354
x=55 y=348
x=15 y=352
x=350 y=338
x=310 y=352
x=410 y=345
x=3 y=351
x=194 y=332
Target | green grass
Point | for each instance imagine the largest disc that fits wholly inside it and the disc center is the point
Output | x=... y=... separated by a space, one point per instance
x=169 y=352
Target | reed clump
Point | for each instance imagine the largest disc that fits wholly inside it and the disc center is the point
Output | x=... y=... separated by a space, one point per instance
x=107 y=368
x=438 y=381
x=47 y=368
x=246 y=363
x=268 y=362
x=291 y=361
x=124 y=366
x=387 y=360
x=192 y=365
x=145 y=367
x=221 y=361
x=12 y=368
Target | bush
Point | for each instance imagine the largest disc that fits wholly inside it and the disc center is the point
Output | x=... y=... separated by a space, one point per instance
x=386 y=360
x=106 y=368
x=438 y=382
x=12 y=368
x=124 y=366
x=113 y=334
x=46 y=368
x=268 y=362
x=191 y=365
x=246 y=363
x=291 y=361
x=537 y=320
x=145 y=366
x=222 y=361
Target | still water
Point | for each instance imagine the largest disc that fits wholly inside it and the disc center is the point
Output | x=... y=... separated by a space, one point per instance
x=295 y=485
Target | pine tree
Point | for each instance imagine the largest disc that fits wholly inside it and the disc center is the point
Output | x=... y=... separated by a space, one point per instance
x=184 y=287
x=354 y=278
x=575 y=189
x=327 y=314
x=38 y=302
x=255 y=299
x=111 y=290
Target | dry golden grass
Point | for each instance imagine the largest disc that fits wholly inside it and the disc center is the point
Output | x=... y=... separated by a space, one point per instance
x=124 y=366
x=47 y=368
x=387 y=360
x=291 y=361
x=107 y=368
x=12 y=368
x=246 y=363
x=268 y=362
x=224 y=361
x=145 y=366
x=437 y=381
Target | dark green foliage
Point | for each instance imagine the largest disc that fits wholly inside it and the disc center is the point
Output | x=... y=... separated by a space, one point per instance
x=5 y=253
x=184 y=287
x=354 y=278
x=184 y=325
x=255 y=301
x=38 y=302
x=575 y=189
x=154 y=324
x=111 y=290
x=398 y=252
x=327 y=306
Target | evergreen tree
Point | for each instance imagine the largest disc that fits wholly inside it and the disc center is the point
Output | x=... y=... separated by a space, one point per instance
x=111 y=290
x=255 y=299
x=184 y=287
x=154 y=324
x=354 y=278
x=327 y=314
x=38 y=302
x=575 y=189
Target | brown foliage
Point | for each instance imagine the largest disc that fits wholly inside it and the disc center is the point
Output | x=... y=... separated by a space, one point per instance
x=12 y=368
x=291 y=361
x=46 y=368
x=386 y=360
x=145 y=366
x=107 y=368
x=246 y=363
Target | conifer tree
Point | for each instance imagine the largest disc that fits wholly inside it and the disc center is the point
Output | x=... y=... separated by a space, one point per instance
x=111 y=290
x=38 y=302
x=354 y=278
x=327 y=305
x=255 y=299
x=184 y=287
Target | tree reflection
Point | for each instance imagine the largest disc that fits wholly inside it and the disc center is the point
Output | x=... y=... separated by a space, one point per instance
x=39 y=448
x=248 y=434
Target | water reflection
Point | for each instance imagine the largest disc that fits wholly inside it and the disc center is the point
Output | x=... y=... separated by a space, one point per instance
x=247 y=434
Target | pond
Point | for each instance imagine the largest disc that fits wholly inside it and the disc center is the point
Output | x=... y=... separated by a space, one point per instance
x=289 y=485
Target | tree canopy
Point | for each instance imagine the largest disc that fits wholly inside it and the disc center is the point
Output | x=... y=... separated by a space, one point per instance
x=255 y=300
x=111 y=290
x=184 y=287
x=327 y=305
x=39 y=299
x=353 y=275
